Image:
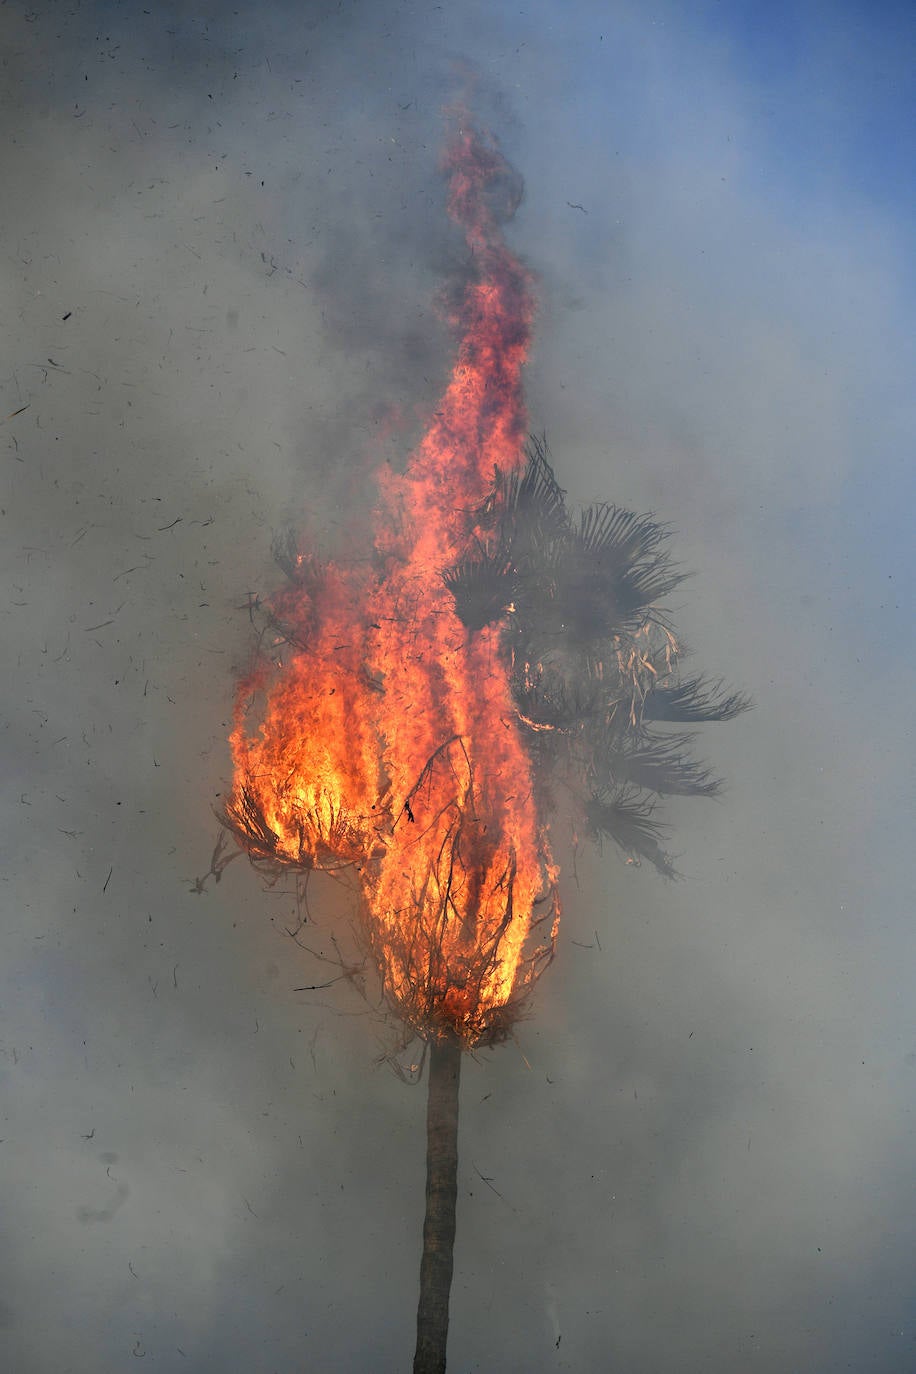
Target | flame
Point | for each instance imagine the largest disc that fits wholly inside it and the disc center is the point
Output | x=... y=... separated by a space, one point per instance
x=389 y=742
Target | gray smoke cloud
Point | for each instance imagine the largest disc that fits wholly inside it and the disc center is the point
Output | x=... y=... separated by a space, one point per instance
x=223 y=238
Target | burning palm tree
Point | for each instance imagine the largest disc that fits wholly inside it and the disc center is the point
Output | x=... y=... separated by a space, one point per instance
x=420 y=719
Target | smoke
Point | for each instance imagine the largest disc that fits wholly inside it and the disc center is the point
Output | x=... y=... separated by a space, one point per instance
x=224 y=239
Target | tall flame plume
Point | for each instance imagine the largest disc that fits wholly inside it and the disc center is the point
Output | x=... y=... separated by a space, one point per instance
x=380 y=734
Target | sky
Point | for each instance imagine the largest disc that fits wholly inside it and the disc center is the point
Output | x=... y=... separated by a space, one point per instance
x=222 y=243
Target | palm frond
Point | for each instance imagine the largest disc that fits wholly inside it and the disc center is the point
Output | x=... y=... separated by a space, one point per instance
x=534 y=493
x=481 y=585
x=526 y=503
x=620 y=556
x=552 y=694
x=609 y=532
x=693 y=701
x=302 y=568
x=641 y=587
x=660 y=765
x=244 y=817
x=626 y=819
x=592 y=658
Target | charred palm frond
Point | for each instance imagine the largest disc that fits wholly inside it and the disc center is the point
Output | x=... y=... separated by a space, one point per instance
x=327 y=838
x=612 y=569
x=289 y=615
x=539 y=492
x=623 y=817
x=594 y=698
x=245 y=818
x=694 y=700
x=575 y=581
x=641 y=659
x=551 y=695
x=592 y=658
x=621 y=538
x=525 y=524
x=660 y=765
x=481 y=586
x=289 y=555
x=528 y=504
x=604 y=683
x=286 y=628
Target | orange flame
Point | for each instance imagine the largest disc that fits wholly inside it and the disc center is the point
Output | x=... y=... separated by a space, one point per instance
x=389 y=740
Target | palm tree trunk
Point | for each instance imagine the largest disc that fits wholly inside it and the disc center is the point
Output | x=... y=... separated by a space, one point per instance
x=441 y=1195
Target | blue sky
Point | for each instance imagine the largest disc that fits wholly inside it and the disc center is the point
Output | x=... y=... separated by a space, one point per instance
x=836 y=84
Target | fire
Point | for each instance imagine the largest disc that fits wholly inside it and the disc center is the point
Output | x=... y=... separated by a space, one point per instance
x=389 y=742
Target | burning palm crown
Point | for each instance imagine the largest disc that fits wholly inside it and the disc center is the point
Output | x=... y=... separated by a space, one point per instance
x=423 y=715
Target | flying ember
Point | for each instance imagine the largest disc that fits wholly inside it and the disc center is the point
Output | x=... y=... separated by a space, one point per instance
x=383 y=734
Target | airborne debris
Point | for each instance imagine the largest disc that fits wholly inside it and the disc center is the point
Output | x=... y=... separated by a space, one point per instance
x=219 y=860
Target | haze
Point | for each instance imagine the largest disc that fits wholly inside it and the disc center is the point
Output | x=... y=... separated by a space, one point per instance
x=223 y=239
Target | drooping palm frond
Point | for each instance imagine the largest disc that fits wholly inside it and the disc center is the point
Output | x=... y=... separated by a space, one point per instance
x=657 y=764
x=694 y=700
x=625 y=818
x=329 y=838
x=244 y=817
